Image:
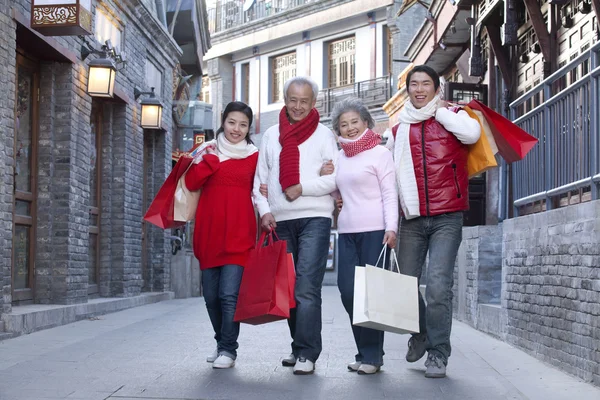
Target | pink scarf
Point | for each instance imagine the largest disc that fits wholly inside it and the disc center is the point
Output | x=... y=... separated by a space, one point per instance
x=366 y=141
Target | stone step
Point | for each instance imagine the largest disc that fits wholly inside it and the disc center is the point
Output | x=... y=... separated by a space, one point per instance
x=1 y=326
x=35 y=317
x=4 y=335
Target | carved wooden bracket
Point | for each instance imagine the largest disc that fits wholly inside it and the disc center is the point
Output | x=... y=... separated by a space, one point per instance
x=540 y=28
x=511 y=25
x=500 y=53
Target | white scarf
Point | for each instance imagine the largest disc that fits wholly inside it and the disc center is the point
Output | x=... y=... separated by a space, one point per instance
x=225 y=149
x=407 y=182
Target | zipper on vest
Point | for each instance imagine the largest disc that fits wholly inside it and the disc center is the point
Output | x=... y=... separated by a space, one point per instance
x=424 y=166
x=458 y=195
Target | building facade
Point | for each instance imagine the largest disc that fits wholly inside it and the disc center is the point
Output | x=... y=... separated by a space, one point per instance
x=79 y=171
x=347 y=47
x=531 y=275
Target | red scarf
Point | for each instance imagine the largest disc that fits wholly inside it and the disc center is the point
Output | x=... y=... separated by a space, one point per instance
x=291 y=136
x=367 y=141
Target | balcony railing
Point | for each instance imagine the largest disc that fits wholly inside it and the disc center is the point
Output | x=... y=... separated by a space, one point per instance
x=231 y=14
x=374 y=93
x=566 y=160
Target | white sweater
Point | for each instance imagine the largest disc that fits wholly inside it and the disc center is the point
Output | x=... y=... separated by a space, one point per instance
x=315 y=201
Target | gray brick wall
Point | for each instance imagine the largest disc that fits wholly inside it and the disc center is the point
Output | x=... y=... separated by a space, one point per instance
x=552 y=295
x=63 y=187
x=477 y=275
x=7 y=107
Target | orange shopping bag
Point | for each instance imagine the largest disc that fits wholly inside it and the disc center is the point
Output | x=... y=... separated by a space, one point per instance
x=481 y=157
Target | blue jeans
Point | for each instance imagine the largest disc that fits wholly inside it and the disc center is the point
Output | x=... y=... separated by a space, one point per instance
x=441 y=236
x=358 y=249
x=308 y=241
x=221 y=286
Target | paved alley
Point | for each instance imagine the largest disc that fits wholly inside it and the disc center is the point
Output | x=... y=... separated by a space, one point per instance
x=158 y=352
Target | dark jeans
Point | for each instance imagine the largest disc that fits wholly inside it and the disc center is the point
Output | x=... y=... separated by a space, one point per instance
x=221 y=286
x=358 y=249
x=308 y=241
x=441 y=236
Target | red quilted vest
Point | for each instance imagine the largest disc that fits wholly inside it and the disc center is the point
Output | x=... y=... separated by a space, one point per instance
x=440 y=163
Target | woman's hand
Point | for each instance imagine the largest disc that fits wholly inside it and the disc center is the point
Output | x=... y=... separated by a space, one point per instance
x=339 y=203
x=327 y=168
x=390 y=239
x=264 y=190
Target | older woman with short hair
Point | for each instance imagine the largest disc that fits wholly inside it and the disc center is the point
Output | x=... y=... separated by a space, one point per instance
x=369 y=218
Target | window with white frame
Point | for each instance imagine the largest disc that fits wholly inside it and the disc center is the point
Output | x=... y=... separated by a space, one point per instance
x=342 y=55
x=153 y=78
x=204 y=94
x=283 y=68
x=106 y=29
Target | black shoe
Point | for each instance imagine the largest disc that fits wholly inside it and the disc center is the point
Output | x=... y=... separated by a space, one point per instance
x=417 y=347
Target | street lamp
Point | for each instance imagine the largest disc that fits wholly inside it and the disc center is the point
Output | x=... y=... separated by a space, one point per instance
x=101 y=77
x=151 y=110
x=103 y=70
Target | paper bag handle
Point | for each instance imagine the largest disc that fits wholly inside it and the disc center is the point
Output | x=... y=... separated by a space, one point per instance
x=392 y=259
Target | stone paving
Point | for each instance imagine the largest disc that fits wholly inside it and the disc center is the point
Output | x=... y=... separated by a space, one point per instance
x=158 y=351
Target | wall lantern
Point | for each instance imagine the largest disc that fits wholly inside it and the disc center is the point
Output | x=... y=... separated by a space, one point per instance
x=151 y=110
x=62 y=17
x=103 y=70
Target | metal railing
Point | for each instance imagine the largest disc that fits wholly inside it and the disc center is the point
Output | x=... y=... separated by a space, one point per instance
x=567 y=125
x=374 y=93
x=230 y=14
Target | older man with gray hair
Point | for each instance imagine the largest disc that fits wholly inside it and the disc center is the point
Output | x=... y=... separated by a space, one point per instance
x=299 y=207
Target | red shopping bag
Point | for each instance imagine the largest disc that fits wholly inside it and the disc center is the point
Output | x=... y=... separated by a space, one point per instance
x=512 y=141
x=160 y=212
x=267 y=283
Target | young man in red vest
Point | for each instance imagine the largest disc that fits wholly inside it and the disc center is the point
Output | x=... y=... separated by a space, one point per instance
x=430 y=146
x=299 y=207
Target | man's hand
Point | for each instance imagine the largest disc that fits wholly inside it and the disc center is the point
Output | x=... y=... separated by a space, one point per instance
x=327 y=168
x=267 y=222
x=293 y=192
x=443 y=104
x=339 y=203
x=264 y=190
x=390 y=239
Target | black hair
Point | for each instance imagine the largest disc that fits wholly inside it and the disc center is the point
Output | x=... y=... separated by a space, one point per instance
x=239 y=107
x=428 y=70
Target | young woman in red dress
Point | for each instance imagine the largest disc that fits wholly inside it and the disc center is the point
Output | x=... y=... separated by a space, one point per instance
x=225 y=229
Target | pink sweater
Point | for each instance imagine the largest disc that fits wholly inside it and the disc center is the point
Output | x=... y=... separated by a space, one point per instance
x=367 y=184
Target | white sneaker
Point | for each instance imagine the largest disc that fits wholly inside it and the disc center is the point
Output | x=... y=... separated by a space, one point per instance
x=354 y=366
x=213 y=356
x=304 y=367
x=223 y=362
x=289 y=361
x=367 y=369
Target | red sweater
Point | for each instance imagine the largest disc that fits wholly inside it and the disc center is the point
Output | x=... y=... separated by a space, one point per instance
x=225 y=229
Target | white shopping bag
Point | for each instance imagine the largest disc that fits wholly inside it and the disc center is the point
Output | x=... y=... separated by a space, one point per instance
x=384 y=299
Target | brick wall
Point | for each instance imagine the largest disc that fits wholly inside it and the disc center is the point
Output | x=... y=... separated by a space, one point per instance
x=7 y=107
x=63 y=186
x=478 y=271
x=552 y=296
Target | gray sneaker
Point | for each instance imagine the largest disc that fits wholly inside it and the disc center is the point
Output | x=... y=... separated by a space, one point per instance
x=417 y=346
x=436 y=367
